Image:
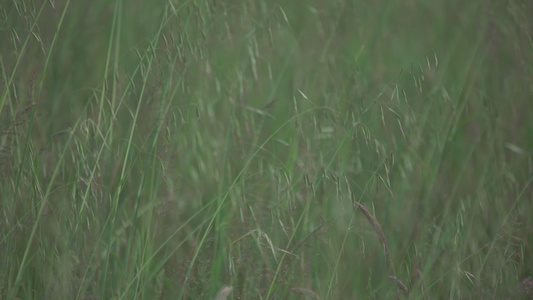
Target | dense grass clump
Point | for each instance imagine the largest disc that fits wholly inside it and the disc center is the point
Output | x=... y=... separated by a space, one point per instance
x=266 y=149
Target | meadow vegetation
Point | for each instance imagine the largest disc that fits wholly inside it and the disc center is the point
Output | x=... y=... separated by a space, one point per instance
x=339 y=149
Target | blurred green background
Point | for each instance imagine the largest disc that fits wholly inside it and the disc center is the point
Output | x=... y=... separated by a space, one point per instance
x=280 y=149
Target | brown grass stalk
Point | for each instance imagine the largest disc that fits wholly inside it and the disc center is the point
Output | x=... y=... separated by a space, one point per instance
x=401 y=286
x=379 y=232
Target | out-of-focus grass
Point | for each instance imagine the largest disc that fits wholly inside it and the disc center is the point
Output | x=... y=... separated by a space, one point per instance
x=163 y=150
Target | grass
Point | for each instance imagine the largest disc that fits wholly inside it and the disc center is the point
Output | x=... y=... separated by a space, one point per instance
x=266 y=150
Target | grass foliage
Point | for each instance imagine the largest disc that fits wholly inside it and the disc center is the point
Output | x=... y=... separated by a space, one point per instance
x=266 y=149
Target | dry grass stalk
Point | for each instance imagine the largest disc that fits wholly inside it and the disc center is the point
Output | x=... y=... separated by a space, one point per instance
x=305 y=292
x=401 y=286
x=377 y=228
x=25 y=110
x=224 y=292
x=525 y=288
x=419 y=280
x=378 y=231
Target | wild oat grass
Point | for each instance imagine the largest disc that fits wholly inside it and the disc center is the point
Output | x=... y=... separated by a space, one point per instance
x=266 y=149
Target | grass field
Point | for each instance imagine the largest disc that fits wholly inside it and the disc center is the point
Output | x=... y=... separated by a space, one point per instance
x=266 y=149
